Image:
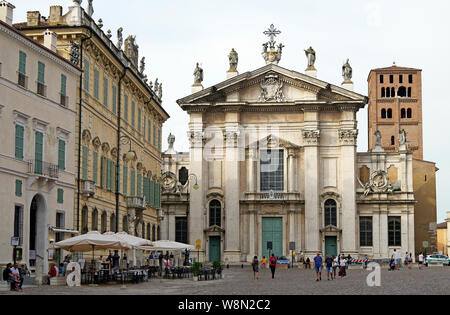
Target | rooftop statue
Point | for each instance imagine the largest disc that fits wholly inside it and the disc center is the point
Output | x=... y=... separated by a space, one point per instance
x=160 y=93
x=119 y=38
x=311 y=56
x=378 y=138
x=270 y=54
x=347 y=71
x=90 y=10
x=142 y=68
x=233 y=57
x=402 y=137
x=198 y=75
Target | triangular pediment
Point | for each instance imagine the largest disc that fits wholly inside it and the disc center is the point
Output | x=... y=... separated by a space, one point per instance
x=272 y=84
x=271 y=142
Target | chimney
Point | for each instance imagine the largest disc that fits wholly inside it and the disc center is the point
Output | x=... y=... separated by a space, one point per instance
x=55 y=17
x=33 y=18
x=50 y=39
x=6 y=12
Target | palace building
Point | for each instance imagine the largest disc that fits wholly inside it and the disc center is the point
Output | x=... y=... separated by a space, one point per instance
x=38 y=106
x=273 y=167
x=118 y=126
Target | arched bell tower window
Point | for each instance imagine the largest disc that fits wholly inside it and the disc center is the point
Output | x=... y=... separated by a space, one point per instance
x=409 y=113
x=330 y=212
x=403 y=113
x=383 y=113
x=215 y=209
x=389 y=113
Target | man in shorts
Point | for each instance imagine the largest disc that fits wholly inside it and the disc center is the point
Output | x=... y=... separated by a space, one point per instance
x=318 y=266
x=329 y=263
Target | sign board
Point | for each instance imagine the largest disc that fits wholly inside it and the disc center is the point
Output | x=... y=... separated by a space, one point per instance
x=15 y=241
x=292 y=246
x=269 y=246
x=425 y=244
x=17 y=254
x=198 y=244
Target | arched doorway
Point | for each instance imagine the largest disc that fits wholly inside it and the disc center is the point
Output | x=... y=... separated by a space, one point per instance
x=38 y=236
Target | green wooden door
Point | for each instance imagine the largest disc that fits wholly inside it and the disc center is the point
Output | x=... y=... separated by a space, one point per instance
x=272 y=231
x=214 y=248
x=38 y=152
x=331 y=245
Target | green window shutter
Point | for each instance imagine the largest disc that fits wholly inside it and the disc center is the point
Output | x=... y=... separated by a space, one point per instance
x=18 y=188
x=103 y=172
x=41 y=72
x=116 y=177
x=149 y=137
x=61 y=155
x=133 y=183
x=96 y=83
x=139 y=119
x=145 y=124
x=125 y=180
x=86 y=74
x=95 y=167
x=85 y=160
x=145 y=187
x=114 y=99
x=108 y=174
x=19 y=142
x=133 y=109
x=63 y=85
x=158 y=204
x=22 y=62
x=154 y=135
x=125 y=114
x=38 y=151
x=60 y=195
x=159 y=139
x=105 y=92
x=152 y=193
x=139 y=185
x=111 y=175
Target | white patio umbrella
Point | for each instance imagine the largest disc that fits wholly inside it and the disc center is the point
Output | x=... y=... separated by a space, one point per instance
x=168 y=245
x=133 y=241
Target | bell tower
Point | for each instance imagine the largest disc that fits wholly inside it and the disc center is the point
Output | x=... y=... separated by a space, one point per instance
x=395 y=104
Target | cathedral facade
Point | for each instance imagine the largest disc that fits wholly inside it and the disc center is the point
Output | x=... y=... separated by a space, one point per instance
x=273 y=167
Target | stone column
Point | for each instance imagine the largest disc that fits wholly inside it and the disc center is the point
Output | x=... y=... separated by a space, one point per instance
x=251 y=172
x=197 y=167
x=292 y=224
x=232 y=189
x=376 y=233
x=291 y=171
x=252 y=250
x=347 y=138
x=312 y=206
x=411 y=237
x=384 y=247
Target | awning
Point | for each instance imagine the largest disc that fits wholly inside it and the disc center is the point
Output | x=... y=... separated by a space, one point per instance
x=60 y=230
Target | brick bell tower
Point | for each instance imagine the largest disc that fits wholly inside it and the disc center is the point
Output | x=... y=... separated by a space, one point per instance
x=395 y=103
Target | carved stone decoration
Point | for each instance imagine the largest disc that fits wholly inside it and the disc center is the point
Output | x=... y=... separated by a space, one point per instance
x=272 y=89
x=139 y=166
x=169 y=183
x=96 y=142
x=269 y=53
x=160 y=93
x=142 y=66
x=311 y=136
x=231 y=137
x=87 y=136
x=402 y=137
x=195 y=137
x=114 y=152
x=105 y=147
x=100 y=23
x=119 y=38
x=74 y=53
x=330 y=195
x=379 y=183
x=108 y=34
x=132 y=50
x=348 y=136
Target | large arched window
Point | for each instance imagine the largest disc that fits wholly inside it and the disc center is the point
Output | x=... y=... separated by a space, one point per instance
x=401 y=91
x=104 y=224
x=158 y=233
x=125 y=223
x=153 y=233
x=214 y=213
x=409 y=92
x=383 y=92
x=330 y=212
x=84 y=221
x=149 y=231
x=112 y=223
x=94 y=226
x=388 y=92
x=392 y=92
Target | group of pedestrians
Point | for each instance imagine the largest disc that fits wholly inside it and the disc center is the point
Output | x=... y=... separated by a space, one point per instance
x=332 y=263
x=12 y=275
x=273 y=261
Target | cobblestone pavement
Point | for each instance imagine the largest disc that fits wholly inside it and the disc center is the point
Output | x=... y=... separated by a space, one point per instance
x=237 y=281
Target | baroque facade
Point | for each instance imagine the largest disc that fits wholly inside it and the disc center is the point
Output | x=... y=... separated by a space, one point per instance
x=37 y=163
x=120 y=112
x=273 y=157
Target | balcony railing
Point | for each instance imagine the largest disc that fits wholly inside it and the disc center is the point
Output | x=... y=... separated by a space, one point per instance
x=64 y=100
x=41 y=89
x=42 y=168
x=136 y=202
x=88 y=188
x=270 y=196
x=22 y=80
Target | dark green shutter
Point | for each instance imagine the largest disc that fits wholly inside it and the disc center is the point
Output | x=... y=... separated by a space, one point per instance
x=38 y=151
x=139 y=185
x=114 y=100
x=133 y=114
x=105 y=92
x=133 y=183
x=18 y=188
x=41 y=72
x=85 y=162
x=125 y=109
x=60 y=195
x=139 y=119
x=152 y=193
x=61 y=155
x=95 y=167
x=86 y=74
x=103 y=172
x=145 y=186
x=22 y=62
x=149 y=131
x=125 y=180
x=96 y=84
x=63 y=85
x=19 y=142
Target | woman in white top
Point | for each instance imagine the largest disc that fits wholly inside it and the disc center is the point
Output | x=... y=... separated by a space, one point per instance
x=420 y=260
x=343 y=265
x=335 y=265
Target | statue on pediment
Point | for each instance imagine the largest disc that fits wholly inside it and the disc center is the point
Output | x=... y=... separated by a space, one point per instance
x=119 y=38
x=270 y=54
x=198 y=75
x=311 y=56
x=90 y=10
x=347 y=71
x=142 y=66
x=233 y=57
x=378 y=138
x=132 y=49
x=402 y=137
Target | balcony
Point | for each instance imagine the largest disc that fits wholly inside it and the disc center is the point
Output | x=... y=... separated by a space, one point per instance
x=136 y=203
x=272 y=197
x=88 y=188
x=43 y=169
x=41 y=89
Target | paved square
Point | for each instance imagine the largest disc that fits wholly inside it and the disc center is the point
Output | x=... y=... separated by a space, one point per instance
x=237 y=281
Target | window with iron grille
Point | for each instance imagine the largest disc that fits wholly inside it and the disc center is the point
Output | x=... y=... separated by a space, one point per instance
x=215 y=210
x=181 y=230
x=330 y=213
x=60 y=224
x=18 y=223
x=365 y=231
x=272 y=170
x=394 y=231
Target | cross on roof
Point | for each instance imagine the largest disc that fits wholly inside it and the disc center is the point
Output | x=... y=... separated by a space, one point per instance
x=272 y=32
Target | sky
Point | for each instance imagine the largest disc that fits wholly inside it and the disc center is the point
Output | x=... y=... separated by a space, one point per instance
x=175 y=34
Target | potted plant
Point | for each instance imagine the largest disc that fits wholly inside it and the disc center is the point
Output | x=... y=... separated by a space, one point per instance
x=196 y=270
x=217 y=266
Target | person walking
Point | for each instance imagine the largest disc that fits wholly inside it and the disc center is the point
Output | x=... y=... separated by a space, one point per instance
x=420 y=261
x=318 y=263
x=410 y=260
x=263 y=262
x=273 y=265
x=342 y=267
x=397 y=260
x=329 y=264
x=255 y=265
x=16 y=272
x=335 y=265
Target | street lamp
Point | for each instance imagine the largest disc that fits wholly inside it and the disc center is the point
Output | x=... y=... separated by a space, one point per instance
x=129 y=156
x=196 y=187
